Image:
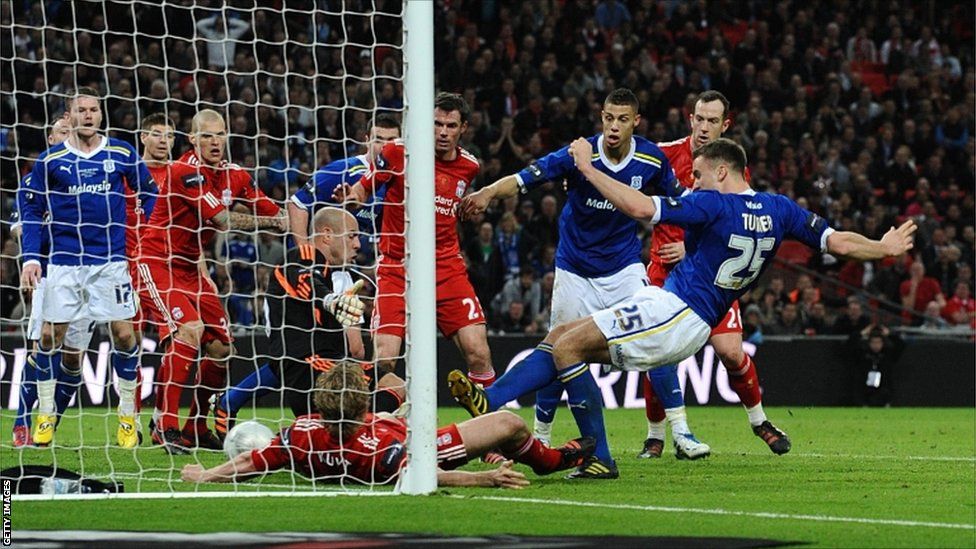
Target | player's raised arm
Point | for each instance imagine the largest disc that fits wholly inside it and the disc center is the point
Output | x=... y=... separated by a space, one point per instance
x=861 y=248
x=628 y=200
x=298 y=222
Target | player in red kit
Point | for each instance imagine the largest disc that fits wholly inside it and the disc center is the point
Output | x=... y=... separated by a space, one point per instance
x=459 y=313
x=177 y=293
x=343 y=441
x=709 y=120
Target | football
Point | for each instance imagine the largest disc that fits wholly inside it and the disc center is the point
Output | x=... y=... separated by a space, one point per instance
x=246 y=436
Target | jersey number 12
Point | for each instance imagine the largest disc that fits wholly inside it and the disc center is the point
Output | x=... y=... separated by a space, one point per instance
x=739 y=271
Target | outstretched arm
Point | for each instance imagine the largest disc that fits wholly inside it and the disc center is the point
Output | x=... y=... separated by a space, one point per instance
x=625 y=198
x=861 y=248
x=502 y=477
x=477 y=202
x=229 y=471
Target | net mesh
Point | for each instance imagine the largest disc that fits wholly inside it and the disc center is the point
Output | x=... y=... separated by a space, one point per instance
x=297 y=83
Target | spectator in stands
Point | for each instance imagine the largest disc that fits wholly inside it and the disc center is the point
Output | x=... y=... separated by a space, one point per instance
x=752 y=325
x=960 y=310
x=815 y=320
x=933 y=317
x=788 y=321
x=525 y=289
x=484 y=263
x=610 y=15
x=515 y=320
x=222 y=33
x=545 y=225
x=918 y=291
x=545 y=312
x=853 y=320
x=514 y=245
x=875 y=351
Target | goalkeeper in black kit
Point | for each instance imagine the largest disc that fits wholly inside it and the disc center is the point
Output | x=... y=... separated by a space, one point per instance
x=312 y=315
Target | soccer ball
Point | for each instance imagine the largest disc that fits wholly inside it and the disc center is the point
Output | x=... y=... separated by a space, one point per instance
x=246 y=436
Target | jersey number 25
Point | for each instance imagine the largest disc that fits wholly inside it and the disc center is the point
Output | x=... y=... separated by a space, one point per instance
x=737 y=272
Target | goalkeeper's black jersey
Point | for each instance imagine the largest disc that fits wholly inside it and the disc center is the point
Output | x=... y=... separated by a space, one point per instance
x=299 y=325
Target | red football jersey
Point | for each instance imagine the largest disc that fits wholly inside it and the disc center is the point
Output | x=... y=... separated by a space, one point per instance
x=136 y=217
x=373 y=454
x=191 y=195
x=451 y=181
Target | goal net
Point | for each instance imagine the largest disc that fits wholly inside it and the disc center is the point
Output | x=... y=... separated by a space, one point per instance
x=298 y=86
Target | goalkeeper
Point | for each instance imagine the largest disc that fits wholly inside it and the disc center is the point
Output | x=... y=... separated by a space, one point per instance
x=344 y=441
x=311 y=300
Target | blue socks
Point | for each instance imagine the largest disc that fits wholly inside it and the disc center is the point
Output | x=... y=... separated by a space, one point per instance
x=528 y=376
x=547 y=402
x=68 y=382
x=47 y=363
x=586 y=403
x=28 y=393
x=664 y=380
x=260 y=382
x=126 y=363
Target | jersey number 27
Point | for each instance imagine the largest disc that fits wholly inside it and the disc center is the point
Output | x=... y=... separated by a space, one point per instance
x=739 y=271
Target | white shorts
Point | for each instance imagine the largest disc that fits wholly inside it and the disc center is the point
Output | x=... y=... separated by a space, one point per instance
x=98 y=293
x=654 y=328
x=575 y=297
x=79 y=332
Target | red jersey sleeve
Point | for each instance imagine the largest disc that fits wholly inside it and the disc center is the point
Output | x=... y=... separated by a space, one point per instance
x=272 y=457
x=388 y=163
x=245 y=188
x=186 y=182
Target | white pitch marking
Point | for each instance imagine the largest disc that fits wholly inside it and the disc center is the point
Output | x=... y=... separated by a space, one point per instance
x=858 y=456
x=727 y=512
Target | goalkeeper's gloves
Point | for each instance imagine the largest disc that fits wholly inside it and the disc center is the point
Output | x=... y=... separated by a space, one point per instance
x=346 y=307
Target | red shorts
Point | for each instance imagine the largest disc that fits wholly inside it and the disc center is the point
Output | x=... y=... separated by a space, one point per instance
x=174 y=296
x=450 y=448
x=457 y=304
x=730 y=324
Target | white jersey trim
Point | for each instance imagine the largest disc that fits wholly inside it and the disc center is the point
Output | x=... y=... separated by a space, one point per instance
x=101 y=146
x=623 y=163
x=657 y=210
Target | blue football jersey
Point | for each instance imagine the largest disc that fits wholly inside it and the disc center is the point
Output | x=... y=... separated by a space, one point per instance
x=318 y=192
x=730 y=239
x=84 y=194
x=595 y=240
x=15 y=222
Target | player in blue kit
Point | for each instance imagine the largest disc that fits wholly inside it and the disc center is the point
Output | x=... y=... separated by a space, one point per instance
x=316 y=194
x=598 y=261
x=69 y=371
x=731 y=231
x=82 y=184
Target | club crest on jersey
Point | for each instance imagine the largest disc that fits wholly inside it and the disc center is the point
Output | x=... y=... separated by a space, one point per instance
x=177 y=313
x=226 y=197
x=108 y=165
x=460 y=188
x=636 y=181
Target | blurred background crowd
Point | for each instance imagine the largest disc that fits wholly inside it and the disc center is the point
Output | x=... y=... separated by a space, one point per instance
x=860 y=110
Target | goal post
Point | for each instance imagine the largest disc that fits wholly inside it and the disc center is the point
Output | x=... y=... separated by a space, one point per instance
x=420 y=476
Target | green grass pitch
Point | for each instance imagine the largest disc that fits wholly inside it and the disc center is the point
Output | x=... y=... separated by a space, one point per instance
x=856 y=477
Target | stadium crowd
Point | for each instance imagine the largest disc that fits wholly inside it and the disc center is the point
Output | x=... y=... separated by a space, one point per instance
x=863 y=115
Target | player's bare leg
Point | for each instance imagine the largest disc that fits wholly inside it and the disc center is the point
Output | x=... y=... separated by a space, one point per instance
x=472 y=340
x=48 y=360
x=745 y=382
x=387 y=351
x=509 y=434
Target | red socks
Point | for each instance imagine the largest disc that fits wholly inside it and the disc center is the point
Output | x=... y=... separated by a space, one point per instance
x=174 y=373
x=745 y=382
x=211 y=378
x=541 y=458
x=652 y=405
x=485 y=379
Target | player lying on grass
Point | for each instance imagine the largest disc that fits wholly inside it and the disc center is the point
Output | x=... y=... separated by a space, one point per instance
x=730 y=232
x=346 y=442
